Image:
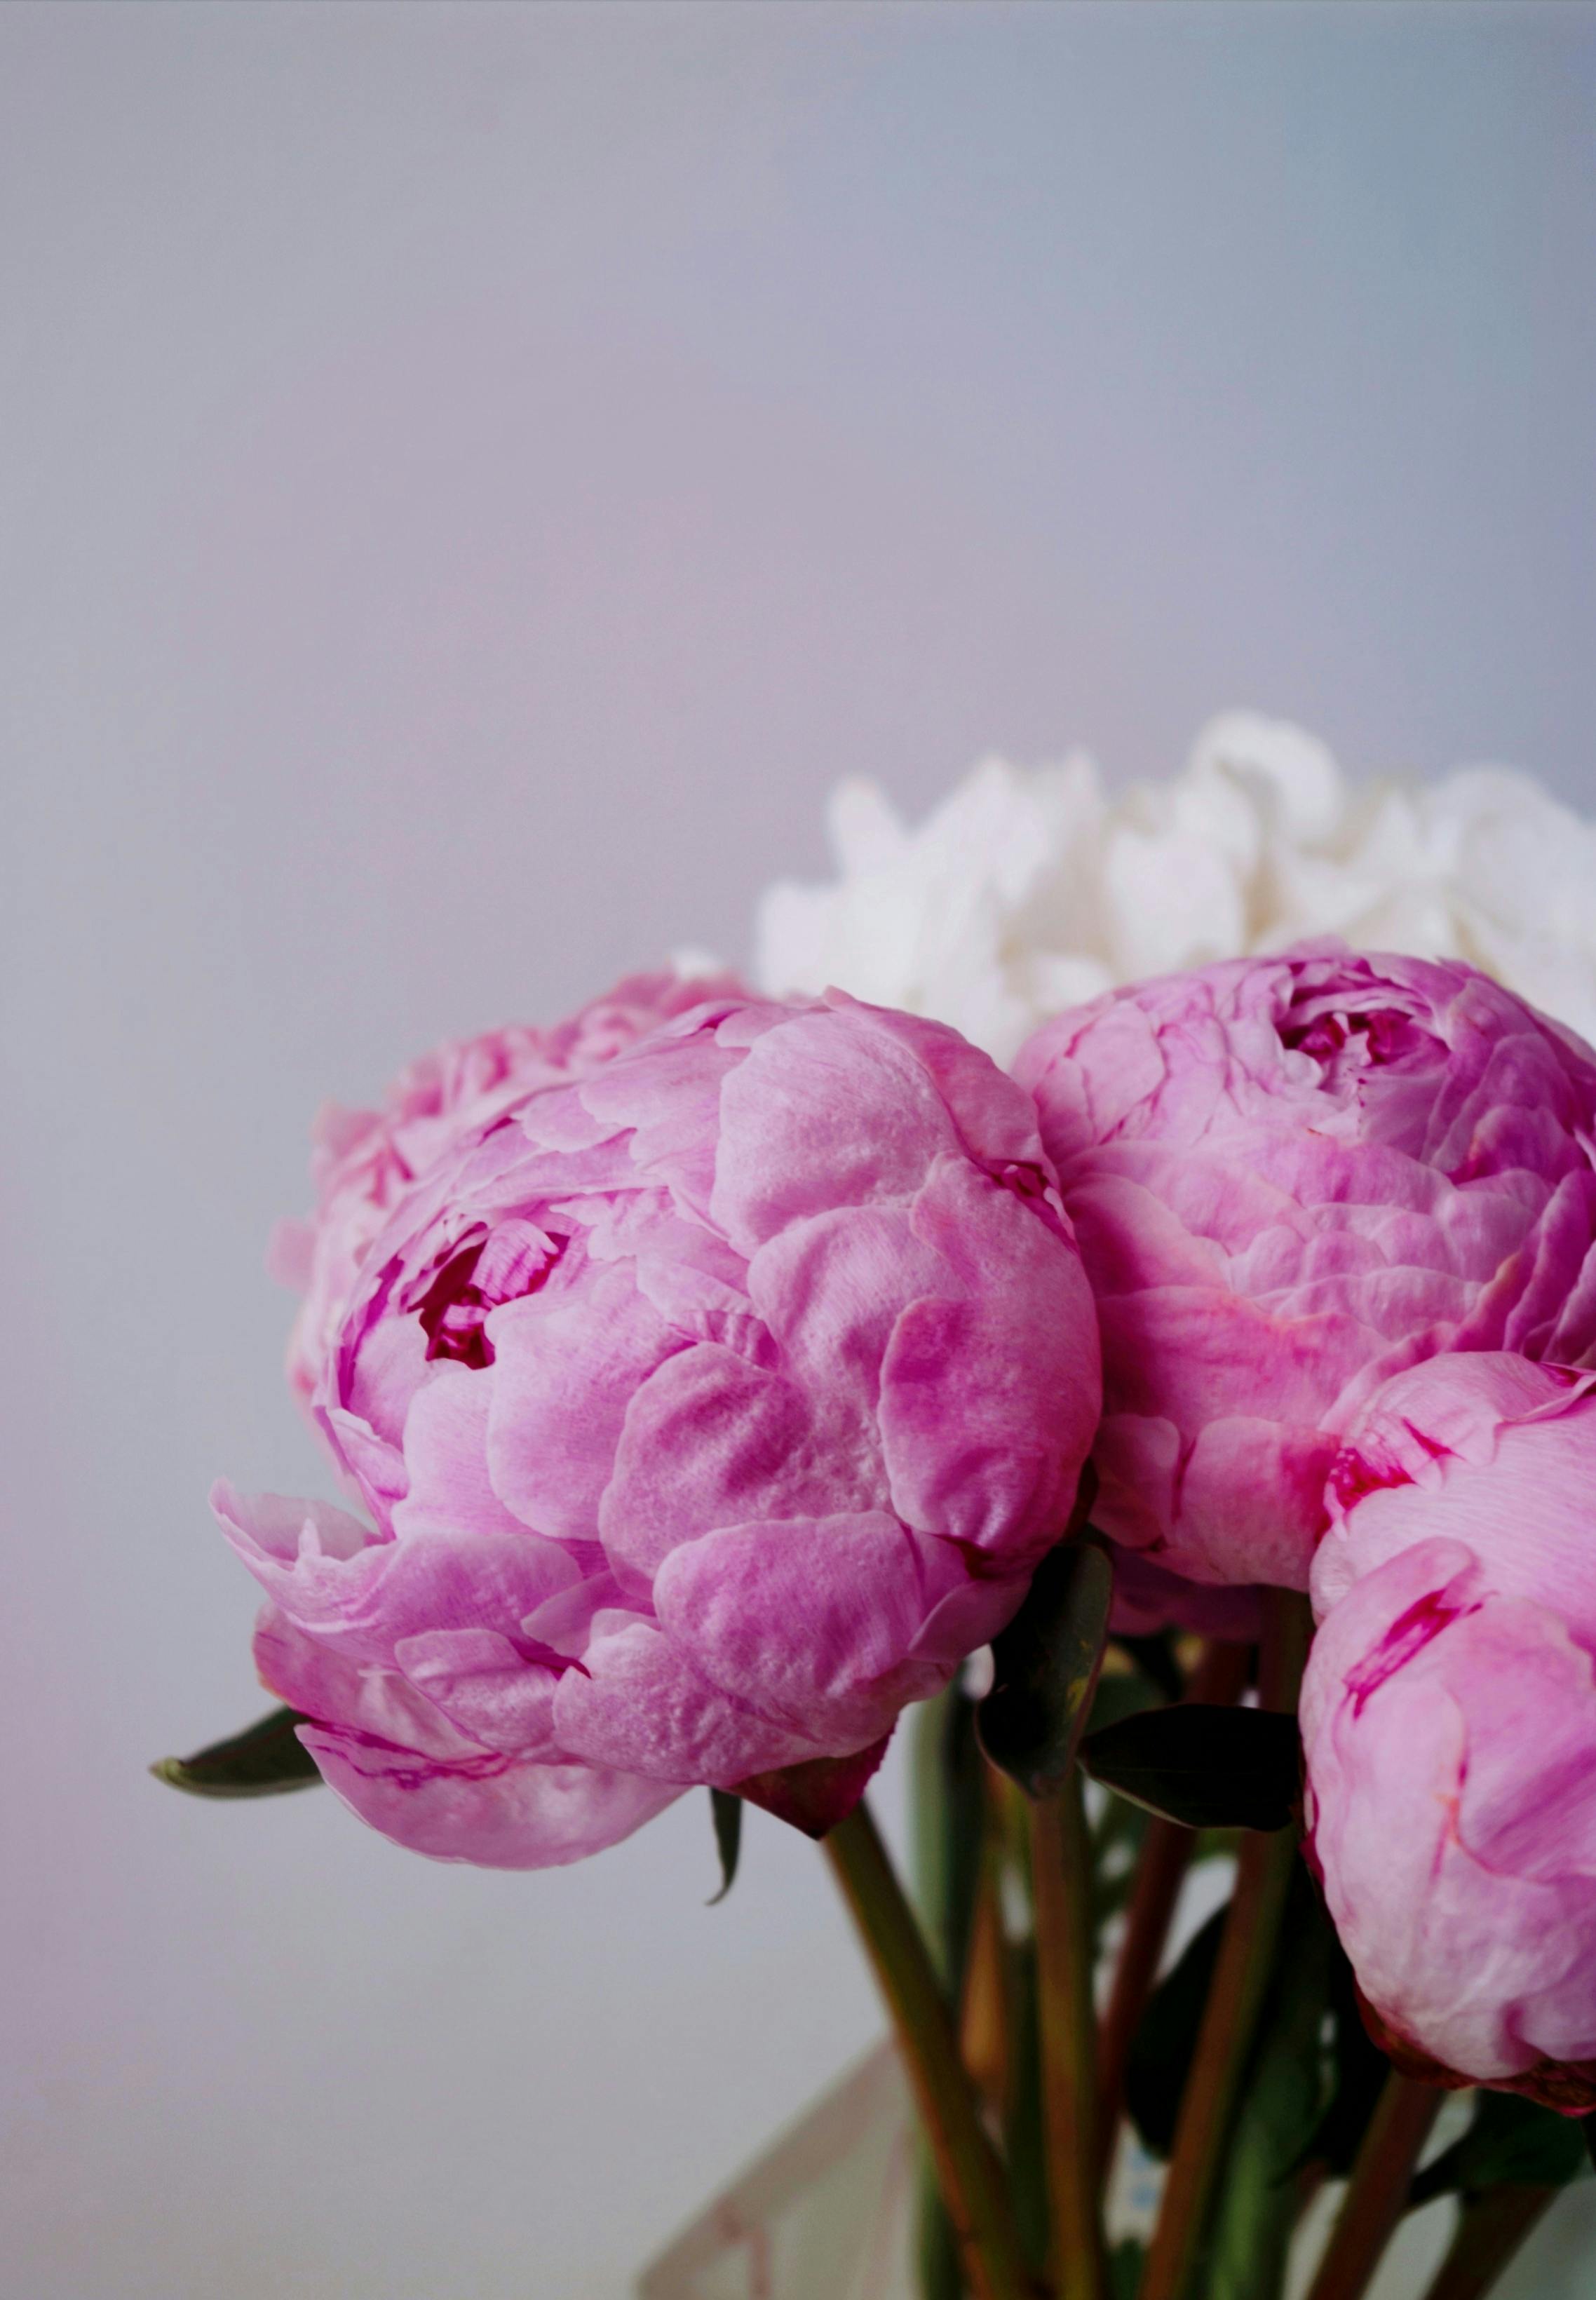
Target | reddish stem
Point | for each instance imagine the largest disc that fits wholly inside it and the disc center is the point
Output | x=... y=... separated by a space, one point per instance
x=1377 y=2194
x=1491 y=2230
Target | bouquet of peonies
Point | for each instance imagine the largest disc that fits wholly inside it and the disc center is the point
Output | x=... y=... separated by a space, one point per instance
x=1197 y=1416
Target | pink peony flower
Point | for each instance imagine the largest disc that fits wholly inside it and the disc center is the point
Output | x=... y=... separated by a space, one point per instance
x=1291 y=1177
x=709 y=1408
x=1449 y=1719
x=363 y=1159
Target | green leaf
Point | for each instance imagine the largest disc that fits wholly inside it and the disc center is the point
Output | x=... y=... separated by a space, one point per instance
x=266 y=1760
x=946 y=1824
x=1166 y=2038
x=1045 y=1665
x=725 y=1811
x=1511 y=2140
x=1208 y=1768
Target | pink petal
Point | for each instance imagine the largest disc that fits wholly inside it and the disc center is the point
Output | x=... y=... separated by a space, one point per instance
x=639 y=1705
x=398 y=1763
x=831 y=1289
x=989 y=1403
x=708 y=1441
x=446 y=1449
x=362 y=1604
x=821 y=1114
x=484 y=1686
x=508 y=1816
x=565 y=1370
x=812 y=1621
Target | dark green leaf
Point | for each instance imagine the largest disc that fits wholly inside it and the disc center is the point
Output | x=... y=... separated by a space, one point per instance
x=726 y=1812
x=1045 y=1665
x=263 y=1761
x=1166 y=2039
x=1511 y=2140
x=1208 y=1768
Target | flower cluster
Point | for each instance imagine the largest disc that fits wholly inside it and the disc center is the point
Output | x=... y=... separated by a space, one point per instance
x=714 y=1370
x=1339 y=1214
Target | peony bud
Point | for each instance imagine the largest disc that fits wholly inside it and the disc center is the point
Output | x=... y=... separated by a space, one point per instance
x=1449 y=1721
x=1291 y=1177
x=709 y=1408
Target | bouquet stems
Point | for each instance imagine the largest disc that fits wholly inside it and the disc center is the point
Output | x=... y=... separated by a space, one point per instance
x=1377 y=2194
x=1240 y=1977
x=1235 y=1998
x=967 y=2168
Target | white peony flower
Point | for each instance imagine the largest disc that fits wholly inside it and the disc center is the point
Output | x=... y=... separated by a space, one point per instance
x=1029 y=889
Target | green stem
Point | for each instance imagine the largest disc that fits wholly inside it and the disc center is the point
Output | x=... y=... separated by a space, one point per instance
x=1061 y=1883
x=947 y=1807
x=1241 y=1976
x=1265 y=2182
x=1377 y=2194
x=1491 y=2228
x=972 y=2180
x=1235 y=1996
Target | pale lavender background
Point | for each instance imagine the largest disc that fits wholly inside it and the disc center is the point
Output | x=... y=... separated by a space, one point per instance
x=472 y=477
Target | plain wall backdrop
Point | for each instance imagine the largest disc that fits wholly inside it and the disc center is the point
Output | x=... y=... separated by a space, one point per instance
x=471 y=477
